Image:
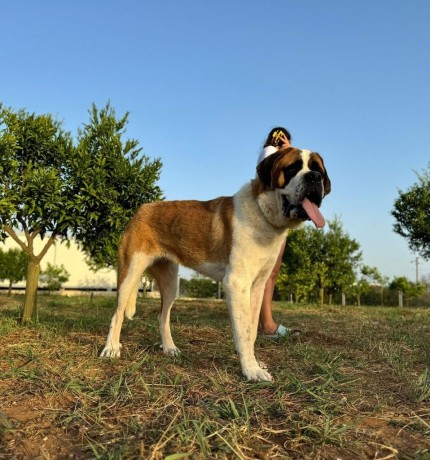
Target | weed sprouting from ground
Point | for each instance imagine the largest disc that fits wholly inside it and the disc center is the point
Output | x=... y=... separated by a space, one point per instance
x=422 y=385
x=355 y=385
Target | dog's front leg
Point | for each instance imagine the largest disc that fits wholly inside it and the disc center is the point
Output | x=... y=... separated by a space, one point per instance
x=257 y=292
x=238 y=293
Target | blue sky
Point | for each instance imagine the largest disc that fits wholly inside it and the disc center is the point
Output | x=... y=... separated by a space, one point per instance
x=205 y=81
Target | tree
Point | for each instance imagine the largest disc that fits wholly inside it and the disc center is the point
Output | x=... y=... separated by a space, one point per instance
x=297 y=275
x=341 y=256
x=33 y=151
x=112 y=179
x=412 y=214
x=53 y=189
x=410 y=290
x=367 y=277
x=322 y=260
x=199 y=287
x=378 y=280
x=13 y=264
x=54 y=276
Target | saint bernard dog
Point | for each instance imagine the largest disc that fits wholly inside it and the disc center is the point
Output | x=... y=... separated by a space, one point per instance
x=234 y=239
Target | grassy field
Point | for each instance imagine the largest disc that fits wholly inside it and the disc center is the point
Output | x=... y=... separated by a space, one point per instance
x=355 y=385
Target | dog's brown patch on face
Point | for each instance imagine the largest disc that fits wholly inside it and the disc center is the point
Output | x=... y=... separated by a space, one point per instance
x=271 y=169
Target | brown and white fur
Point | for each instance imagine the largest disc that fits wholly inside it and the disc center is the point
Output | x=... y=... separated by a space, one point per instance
x=234 y=239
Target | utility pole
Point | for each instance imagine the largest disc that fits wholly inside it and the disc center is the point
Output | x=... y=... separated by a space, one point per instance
x=417 y=262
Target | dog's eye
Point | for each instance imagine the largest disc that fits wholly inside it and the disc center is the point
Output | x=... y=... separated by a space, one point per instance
x=291 y=170
x=315 y=166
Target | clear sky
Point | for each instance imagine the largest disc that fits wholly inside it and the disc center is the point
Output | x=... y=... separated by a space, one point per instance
x=205 y=81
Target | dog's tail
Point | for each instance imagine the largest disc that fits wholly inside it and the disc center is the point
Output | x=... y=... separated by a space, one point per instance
x=130 y=309
x=130 y=270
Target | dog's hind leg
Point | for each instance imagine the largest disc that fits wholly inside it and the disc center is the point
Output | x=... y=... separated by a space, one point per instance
x=165 y=273
x=128 y=283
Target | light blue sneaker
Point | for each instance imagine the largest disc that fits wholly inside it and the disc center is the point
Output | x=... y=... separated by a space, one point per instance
x=283 y=331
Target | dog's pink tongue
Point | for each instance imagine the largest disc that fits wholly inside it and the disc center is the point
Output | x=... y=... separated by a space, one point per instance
x=313 y=213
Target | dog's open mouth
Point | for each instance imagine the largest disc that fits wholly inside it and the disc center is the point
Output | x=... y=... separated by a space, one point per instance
x=307 y=210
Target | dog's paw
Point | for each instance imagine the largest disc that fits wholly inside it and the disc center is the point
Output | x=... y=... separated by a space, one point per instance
x=257 y=374
x=263 y=365
x=171 y=351
x=110 y=351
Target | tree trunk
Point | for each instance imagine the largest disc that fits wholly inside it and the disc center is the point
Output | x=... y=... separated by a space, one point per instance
x=30 y=301
x=9 y=291
x=321 y=296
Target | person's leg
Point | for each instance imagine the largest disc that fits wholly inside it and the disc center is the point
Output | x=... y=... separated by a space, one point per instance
x=267 y=324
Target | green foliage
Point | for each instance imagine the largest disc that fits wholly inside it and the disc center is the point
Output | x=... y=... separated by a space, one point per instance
x=324 y=260
x=199 y=287
x=54 y=276
x=297 y=274
x=410 y=290
x=367 y=277
x=33 y=175
x=412 y=214
x=13 y=265
x=110 y=179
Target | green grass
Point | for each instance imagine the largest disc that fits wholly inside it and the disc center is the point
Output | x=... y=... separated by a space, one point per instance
x=355 y=385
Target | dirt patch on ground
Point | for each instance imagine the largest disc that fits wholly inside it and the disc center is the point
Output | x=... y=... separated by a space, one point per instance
x=33 y=430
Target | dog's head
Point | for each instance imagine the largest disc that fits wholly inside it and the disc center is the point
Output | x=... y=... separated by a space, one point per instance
x=301 y=180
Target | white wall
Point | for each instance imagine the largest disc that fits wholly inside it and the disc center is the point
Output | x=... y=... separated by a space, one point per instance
x=73 y=261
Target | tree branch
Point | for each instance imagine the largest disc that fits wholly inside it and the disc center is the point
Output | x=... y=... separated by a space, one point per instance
x=14 y=236
x=26 y=233
x=46 y=248
x=29 y=240
x=35 y=233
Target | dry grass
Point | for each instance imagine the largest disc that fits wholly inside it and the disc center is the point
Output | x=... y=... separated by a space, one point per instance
x=355 y=385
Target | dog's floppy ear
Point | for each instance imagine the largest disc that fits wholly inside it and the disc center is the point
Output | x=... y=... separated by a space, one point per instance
x=269 y=173
x=326 y=179
x=316 y=157
x=327 y=184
